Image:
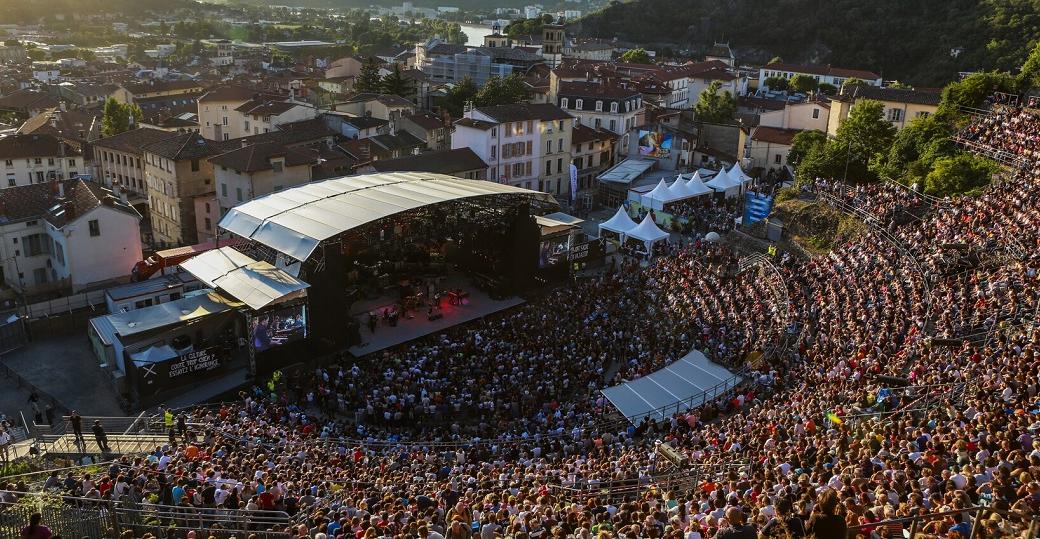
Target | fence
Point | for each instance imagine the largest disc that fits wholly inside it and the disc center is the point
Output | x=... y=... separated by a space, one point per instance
x=66 y=304
x=82 y=517
x=634 y=487
x=1011 y=524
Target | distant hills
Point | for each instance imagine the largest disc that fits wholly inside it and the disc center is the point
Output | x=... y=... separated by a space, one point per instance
x=924 y=42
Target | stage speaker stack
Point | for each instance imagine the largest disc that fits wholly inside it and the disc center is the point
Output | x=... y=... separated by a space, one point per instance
x=328 y=298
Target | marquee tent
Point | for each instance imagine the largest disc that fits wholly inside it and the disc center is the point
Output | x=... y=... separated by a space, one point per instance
x=725 y=183
x=647 y=232
x=655 y=199
x=619 y=224
x=679 y=191
x=696 y=186
x=737 y=173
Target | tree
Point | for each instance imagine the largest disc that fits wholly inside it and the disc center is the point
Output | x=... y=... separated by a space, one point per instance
x=804 y=142
x=973 y=90
x=116 y=117
x=458 y=95
x=828 y=89
x=368 y=80
x=1029 y=77
x=803 y=84
x=865 y=137
x=394 y=83
x=959 y=174
x=636 y=56
x=713 y=107
x=507 y=91
x=776 y=84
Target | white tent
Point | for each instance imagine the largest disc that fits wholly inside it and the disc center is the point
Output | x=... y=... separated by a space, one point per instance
x=655 y=199
x=723 y=182
x=696 y=186
x=679 y=191
x=737 y=173
x=619 y=224
x=647 y=232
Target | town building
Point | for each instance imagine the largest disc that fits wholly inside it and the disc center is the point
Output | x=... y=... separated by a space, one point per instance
x=445 y=63
x=769 y=147
x=64 y=236
x=255 y=170
x=459 y=162
x=592 y=152
x=382 y=106
x=177 y=169
x=835 y=76
x=430 y=128
x=120 y=165
x=902 y=105
x=802 y=116
x=524 y=145
x=39 y=158
x=601 y=105
x=217 y=115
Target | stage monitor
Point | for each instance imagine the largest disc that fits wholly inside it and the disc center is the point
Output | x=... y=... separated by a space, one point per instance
x=655 y=143
x=278 y=327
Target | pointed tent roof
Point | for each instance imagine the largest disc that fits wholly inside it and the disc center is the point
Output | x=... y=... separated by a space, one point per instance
x=678 y=189
x=620 y=223
x=737 y=173
x=659 y=193
x=696 y=186
x=722 y=181
x=647 y=231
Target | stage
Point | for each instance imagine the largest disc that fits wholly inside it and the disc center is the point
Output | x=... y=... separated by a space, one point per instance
x=478 y=305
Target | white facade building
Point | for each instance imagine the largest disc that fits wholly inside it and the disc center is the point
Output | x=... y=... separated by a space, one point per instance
x=38 y=158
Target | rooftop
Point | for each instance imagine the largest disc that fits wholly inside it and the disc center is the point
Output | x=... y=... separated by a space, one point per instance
x=257 y=157
x=34 y=145
x=775 y=135
x=899 y=95
x=823 y=70
x=522 y=112
x=440 y=162
x=134 y=140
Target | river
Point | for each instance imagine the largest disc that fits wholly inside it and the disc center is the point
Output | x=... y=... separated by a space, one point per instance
x=475 y=34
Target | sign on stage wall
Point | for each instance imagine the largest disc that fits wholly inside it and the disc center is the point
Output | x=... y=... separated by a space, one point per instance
x=655 y=143
x=155 y=377
x=278 y=327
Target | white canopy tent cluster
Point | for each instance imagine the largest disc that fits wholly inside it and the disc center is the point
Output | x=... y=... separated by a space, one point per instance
x=646 y=231
x=731 y=183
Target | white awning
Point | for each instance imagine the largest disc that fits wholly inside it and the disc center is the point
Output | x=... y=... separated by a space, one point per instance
x=296 y=220
x=696 y=185
x=254 y=283
x=685 y=384
x=737 y=173
x=656 y=198
x=619 y=224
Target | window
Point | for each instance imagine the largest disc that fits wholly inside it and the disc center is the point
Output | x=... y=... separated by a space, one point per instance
x=614 y=107
x=548 y=147
x=8 y=163
x=60 y=252
x=559 y=165
x=209 y=224
x=815 y=113
x=37 y=161
x=528 y=152
x=530 y=126
x=922 y=114
x=223 y=189
x=226 y=136
x=518 y=169
x=777 y=159
x=494 y=131
x=494 y=151
x=238 y=193
x=528 y=168
x=194 y=165
x=577 y=104
x=11 y=181
x=95 y=227
x=277 y=166
x=895 y=115
x=223 y=120
x=559 y=145
x=599 y=106
x=613 y=125
x=563 y=102
x=548 y=168
x=72 y=162
x=40 y=275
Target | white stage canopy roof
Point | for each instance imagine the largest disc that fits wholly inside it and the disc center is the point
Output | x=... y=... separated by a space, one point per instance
x=685 y=384
x=256 y=284
x=296 y=220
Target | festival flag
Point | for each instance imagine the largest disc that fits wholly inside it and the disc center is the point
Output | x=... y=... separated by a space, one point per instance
x=833 y=417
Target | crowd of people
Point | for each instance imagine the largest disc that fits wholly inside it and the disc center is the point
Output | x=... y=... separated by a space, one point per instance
x=910 y=388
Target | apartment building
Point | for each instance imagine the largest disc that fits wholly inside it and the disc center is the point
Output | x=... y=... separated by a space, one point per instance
x=65 y=235
x=38 y=158
x=177 y=170
x=527 y=145
x=613 y=107
x=119 y=160
x=217 y=115
x=255 y=170
x=835 y=76
x=592 y=152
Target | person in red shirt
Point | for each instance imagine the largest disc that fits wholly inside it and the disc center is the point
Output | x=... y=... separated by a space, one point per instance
x=36 y=530
x=266 y=500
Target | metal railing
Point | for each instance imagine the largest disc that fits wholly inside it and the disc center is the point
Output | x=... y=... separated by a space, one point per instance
x=79 y=517
x=632 y=487
x=711 y=394
x=1011 y=524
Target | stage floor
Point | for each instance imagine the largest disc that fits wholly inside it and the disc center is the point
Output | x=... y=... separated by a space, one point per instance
x=385 y=336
